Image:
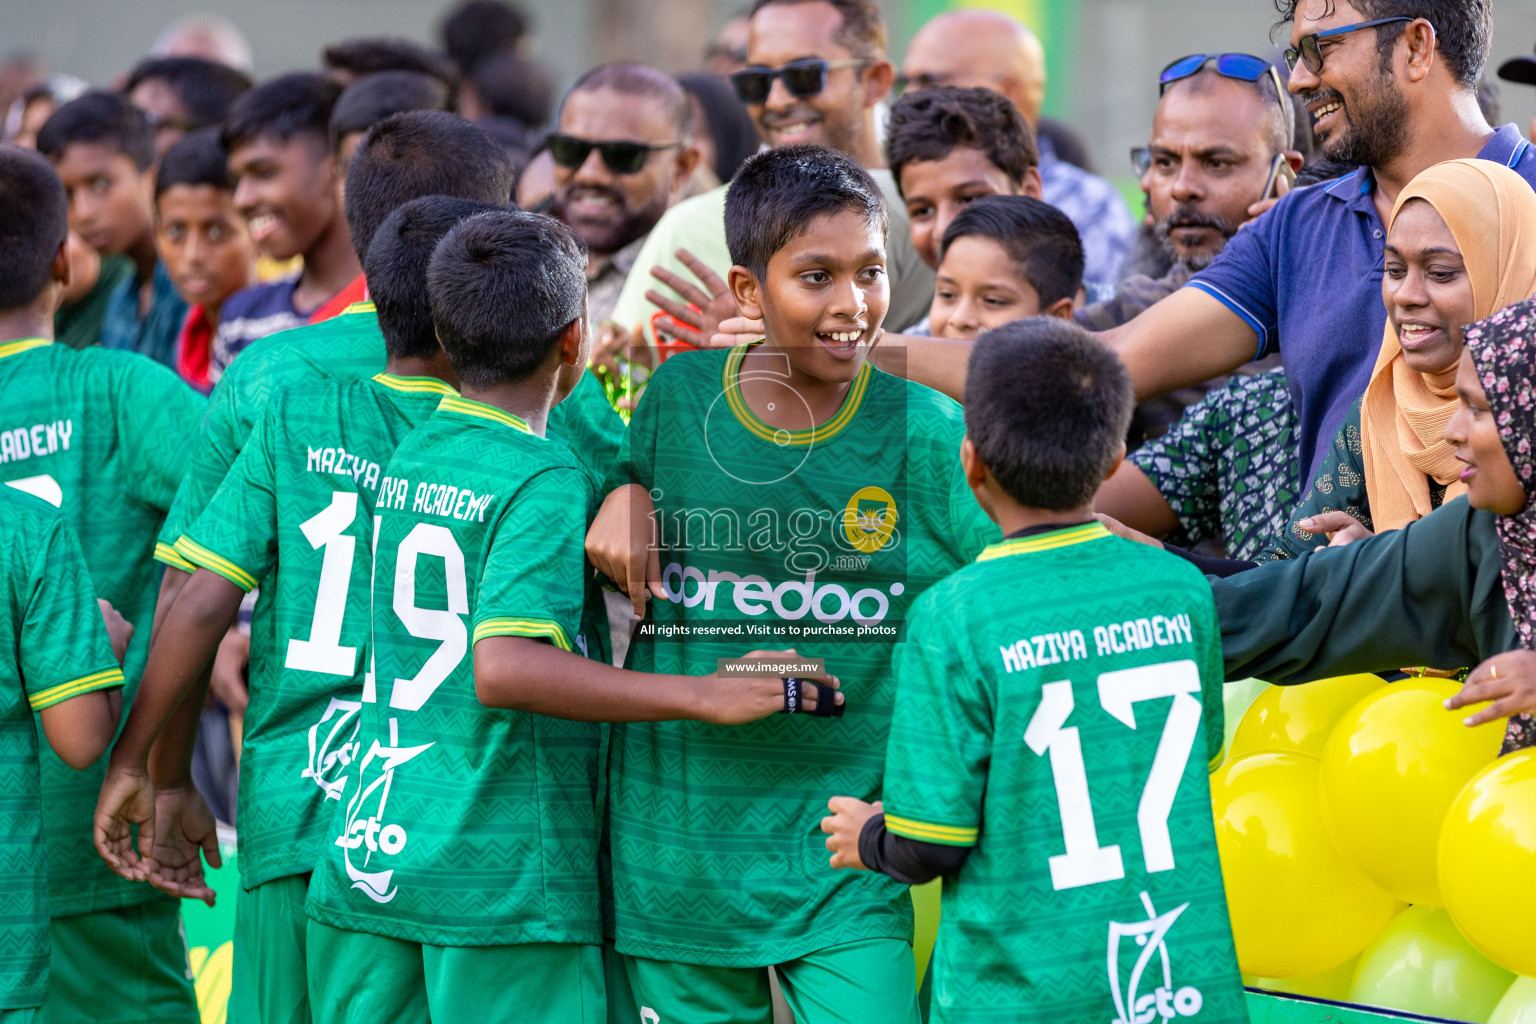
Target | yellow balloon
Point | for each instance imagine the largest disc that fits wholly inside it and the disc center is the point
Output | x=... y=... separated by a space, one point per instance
x=1487 y=862
x=1422 y=964
x=1297 y=906
x=1390 y=770
x=1518 y=1005
x=1333 y=983
x=1300 y=717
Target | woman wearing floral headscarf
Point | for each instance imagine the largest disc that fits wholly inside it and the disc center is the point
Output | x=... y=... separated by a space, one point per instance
x=1455 y=588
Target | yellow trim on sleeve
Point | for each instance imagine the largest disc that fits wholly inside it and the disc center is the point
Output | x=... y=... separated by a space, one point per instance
x=537 y=629
x=948 y=835
x=205 y=559
x=12 y=348
x=168 y=554
x=470 y=407
x=756 y=427
x=106 y=679
x=1045 y=541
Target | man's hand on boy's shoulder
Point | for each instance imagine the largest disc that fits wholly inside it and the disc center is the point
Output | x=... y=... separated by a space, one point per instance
x=621 y=544
x=843 y=827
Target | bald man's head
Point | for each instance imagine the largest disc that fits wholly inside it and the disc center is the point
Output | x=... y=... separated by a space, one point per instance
x=975 y=48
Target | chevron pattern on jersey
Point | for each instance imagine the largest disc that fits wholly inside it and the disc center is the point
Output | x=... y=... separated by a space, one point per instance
x=107 y=437
x=310 y=469
x=484 y=819
x=1016 y=941
x=716 y=854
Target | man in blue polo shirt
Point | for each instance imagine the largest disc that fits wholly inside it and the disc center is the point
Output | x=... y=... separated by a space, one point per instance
x=1305 y=278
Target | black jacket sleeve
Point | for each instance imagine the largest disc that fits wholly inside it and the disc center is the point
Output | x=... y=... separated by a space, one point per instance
x=1429 y=594
x=1210 y=565
x=908 y=861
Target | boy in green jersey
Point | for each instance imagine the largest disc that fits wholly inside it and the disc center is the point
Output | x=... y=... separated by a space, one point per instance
x=1057 y=704
x=100 y=434
x=803 y=498
x=463 y=870
x=293 y=515
x=55 y=660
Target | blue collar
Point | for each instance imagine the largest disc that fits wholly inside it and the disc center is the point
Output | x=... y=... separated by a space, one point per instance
x=1506 y=146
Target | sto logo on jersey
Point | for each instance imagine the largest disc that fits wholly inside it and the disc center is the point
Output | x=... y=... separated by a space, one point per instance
x=368 y=828
x=869 y=519
x=331 y=753
x=1131 y=1006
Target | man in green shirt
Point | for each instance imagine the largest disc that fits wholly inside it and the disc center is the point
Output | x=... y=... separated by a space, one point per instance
x=463 y=868
x=804 y=499
x=55 y=660
x=1057 y=704
x=100 y=434
x=294 y=515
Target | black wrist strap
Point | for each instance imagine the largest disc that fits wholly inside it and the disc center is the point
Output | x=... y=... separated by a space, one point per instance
x=791 y=696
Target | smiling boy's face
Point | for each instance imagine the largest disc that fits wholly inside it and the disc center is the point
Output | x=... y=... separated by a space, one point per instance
x=825 y=296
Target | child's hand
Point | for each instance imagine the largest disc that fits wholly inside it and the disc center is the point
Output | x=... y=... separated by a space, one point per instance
x=1508 y=679
x=186 y=835
x=621 y=545
x=843 y=826
x=732 y=699
x=702 y=309
x=127 y=798
x=738 y=330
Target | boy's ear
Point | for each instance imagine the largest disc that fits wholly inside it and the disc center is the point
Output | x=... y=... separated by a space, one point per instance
x=573 y=343
x=1061 y=309
x=59 y=272
x=1032 y=186
x=970 y=462
x=878 y=79
x=747 y=291
x=1119 y=461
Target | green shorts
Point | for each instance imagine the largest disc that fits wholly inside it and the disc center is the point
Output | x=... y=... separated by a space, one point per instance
x=269 y=983
x=123 y=966
x=874 y=979
x=362 y=978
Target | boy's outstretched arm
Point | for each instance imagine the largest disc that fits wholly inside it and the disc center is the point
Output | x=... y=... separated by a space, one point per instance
x=621 y=544
x=187 y=636
x=523 y=674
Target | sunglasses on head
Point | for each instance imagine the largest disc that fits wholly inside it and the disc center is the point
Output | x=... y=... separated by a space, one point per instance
x=1306 y=50
x=1244 y=67
x=802 y=78
x=620 y=156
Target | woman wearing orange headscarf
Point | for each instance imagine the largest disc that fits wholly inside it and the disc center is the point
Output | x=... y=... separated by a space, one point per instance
x=1462 y=245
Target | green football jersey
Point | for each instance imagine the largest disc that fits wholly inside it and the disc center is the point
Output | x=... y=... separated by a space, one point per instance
x=55 y=647
x=295 y=515
x=463 y=825
x=103 y=435
x=817 y=541
x=1057 y=705
x=345 y=348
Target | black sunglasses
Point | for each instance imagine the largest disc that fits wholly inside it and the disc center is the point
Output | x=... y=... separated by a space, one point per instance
x=620 y=156
x=802 y=78
x=1307 y=51
x=1244 y=67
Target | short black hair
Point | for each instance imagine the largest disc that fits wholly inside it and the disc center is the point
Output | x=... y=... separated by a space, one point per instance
x=283 y=107
x=777 y=193
x=1041 y=240
x=34 y=219
x=504 y=286
x=99 y=117
x=515 y=87
x=1047 y=406
x=197 y=159
x=363 y=57
x=475 y=30
x=371 y=99
x=1463 y=29
x=929 y=124
x=205 y=87
x=397 y=270
x=421 y=153
x=862 y=32
x=630 y=79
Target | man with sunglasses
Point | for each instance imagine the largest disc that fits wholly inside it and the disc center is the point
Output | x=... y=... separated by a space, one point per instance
x=990 y=50
x=622 y=157
x=816 y=69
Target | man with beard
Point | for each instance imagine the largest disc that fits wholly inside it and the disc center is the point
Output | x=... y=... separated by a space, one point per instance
x=1393 y=86
x=622 y=156
x=816 y=69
